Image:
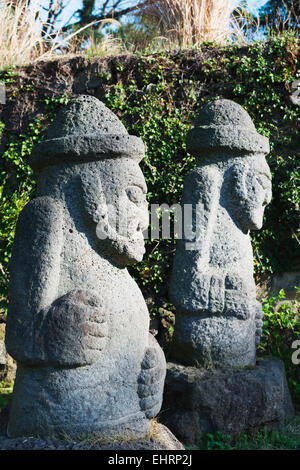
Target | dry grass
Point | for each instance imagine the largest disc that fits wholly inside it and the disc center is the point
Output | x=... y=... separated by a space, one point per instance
x=21 y=39
x=19 y=34
x=192 y=22
x=107 y=46
x=182 y=23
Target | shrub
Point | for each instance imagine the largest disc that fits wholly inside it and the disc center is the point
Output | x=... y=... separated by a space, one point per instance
x=281 y=327
x=266 y=439
x=5 y=393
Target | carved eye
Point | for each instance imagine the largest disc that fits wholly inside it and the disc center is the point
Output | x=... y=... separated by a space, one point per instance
x=135 y=194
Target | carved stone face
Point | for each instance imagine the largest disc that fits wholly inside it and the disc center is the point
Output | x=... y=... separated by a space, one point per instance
x=251 y=191
x=116 y=201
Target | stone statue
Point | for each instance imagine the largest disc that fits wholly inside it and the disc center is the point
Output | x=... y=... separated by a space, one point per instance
x=215 y=383
x=218 y=319
x=77 y=322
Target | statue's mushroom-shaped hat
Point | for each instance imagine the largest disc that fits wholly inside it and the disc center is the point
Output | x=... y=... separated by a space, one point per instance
x=224 y=124
x=85 y=130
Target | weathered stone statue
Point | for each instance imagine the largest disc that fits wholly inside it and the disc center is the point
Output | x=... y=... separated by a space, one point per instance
x=218 y=320
x=211 y=387
x=77 y=322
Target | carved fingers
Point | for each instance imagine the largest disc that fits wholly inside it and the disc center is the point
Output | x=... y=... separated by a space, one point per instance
x=210 y=288
x=226 y=294
x=151 y=379
x=216 y=294
x=76 y=329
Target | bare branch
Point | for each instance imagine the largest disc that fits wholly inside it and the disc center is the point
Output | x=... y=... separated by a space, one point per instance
x=115 y=11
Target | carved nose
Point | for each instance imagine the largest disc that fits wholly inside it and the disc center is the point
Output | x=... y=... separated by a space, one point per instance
x=142 y=226
x=268 y=197
x=144 y=221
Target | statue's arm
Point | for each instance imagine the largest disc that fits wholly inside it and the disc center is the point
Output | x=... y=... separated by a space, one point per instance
x=43 y=328
x=196 y=287
x=35 y=272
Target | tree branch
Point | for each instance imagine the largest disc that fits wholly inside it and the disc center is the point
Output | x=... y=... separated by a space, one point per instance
x=112 y=13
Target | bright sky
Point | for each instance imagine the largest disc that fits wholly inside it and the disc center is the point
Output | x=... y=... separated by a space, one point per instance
x=256 y=4
x=73 y=5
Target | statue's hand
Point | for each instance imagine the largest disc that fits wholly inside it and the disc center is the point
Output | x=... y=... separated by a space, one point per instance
x=216 y=294
x=238 y=297
x=207 y=296
x=75 y=329
x=223 y=293
x=151 y=379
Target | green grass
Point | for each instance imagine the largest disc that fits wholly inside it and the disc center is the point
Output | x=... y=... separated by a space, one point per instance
x=5 y=393
x=288 y=438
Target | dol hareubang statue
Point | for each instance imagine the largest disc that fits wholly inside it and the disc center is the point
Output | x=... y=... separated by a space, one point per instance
x=216 y=383
x=77 y=322
x=218 y=319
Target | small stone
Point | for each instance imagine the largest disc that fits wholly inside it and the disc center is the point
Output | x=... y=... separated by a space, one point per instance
x=199 y=401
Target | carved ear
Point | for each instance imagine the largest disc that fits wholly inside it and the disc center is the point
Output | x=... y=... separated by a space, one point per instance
x=192 y=280
x=94 y=201
x=204 y=193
